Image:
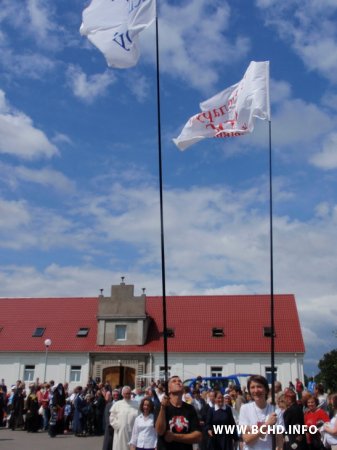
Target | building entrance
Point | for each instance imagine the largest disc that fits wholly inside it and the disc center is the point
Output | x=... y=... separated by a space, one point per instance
x=119 y=376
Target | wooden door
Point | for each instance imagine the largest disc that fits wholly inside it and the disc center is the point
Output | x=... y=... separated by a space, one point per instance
x=119 y=376
x=111 y=375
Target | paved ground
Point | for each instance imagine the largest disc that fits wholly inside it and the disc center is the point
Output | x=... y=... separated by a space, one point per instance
x=21 y=440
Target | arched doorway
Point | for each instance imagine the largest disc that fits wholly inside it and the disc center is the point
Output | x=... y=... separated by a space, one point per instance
x=119 y=376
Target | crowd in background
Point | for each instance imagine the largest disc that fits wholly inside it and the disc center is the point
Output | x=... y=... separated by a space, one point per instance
x=97 y=410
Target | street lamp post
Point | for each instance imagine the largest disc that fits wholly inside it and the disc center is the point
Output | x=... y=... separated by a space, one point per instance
x=47 y=344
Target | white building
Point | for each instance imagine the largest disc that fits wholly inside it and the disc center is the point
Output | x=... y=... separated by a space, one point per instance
x=119 y=338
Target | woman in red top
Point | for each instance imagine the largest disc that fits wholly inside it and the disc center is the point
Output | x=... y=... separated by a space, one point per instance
x=314 y=416
x=45 y=403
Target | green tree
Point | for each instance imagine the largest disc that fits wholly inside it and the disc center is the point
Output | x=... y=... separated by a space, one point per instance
x=328 y=371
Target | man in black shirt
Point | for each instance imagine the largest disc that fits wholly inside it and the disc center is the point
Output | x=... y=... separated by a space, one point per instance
x=177 y=422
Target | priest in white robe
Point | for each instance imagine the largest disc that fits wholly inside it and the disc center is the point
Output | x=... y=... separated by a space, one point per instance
x=122 y=417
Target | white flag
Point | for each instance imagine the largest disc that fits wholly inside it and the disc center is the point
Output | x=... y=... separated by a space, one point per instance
x=113 y=27
x=231 y=112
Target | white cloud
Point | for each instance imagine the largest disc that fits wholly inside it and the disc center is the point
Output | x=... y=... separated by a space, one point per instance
x=266 y=3
x=184 y=30
x=131 y=215
x=25 y=226
x=46 y=177
x=323 y=209
x=312 y=339
x=36 y=20
x=297 y=122
x=35 y=23
x=180 y=28
x=319 y=313
x=309 y=28
x=280 y=91
x=13 y=214
x=10 y=12
x=327 y=157
x=228 y=289
x=19 y=137
x=213 y=231
x=140 y=86
x=39 y=15
x=29 y=64
x=88 y=88
x=62 y=139
x=68 y=280
x=217 y=241
x=4 y=107
x=330 y=99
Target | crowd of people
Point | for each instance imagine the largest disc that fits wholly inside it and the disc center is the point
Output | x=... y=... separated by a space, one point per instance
x=183 y=418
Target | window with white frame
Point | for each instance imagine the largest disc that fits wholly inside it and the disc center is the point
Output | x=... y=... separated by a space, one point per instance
x=268 y=374
x=75 y=374
x=28 y=374
x=120 y=332
x=216 y=371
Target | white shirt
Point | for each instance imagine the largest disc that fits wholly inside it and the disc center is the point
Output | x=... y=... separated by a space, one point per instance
x=160 y=395
x=235 y=414
x=143 y=433
x=250 y=414
x=216 y=407
x=197 y=404
x=331 y=438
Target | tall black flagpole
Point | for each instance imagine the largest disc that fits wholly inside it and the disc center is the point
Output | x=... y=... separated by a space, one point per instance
x=272 y=321
x=161 y=211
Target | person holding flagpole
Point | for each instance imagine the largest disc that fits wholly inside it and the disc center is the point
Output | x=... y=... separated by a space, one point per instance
x=177 y=422
x=261 y=414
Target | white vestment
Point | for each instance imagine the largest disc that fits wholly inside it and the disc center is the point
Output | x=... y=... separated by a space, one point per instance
x=122 y=417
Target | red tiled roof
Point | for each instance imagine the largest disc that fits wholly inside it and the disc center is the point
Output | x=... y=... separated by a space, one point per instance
x=241 y=316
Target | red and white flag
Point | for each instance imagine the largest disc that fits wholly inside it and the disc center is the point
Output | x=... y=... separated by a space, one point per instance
x=113 y=27
x=231 y=112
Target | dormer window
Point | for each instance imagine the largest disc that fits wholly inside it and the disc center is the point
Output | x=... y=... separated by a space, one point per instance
x=120 y=332
x=218 y=332
x=267 y=332
x=39 y=331
x=83 y=332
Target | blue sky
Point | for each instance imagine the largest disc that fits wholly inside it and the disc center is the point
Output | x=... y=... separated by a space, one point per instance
x=79 y=202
